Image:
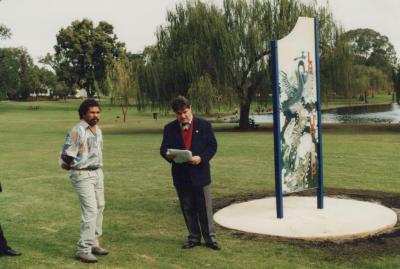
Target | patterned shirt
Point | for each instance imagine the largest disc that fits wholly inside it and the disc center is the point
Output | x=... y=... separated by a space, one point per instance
x=84 y=147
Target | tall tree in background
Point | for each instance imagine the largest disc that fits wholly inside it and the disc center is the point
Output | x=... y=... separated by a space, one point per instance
x=19 y=77
x=6 y=67
x=231 y=45
x=123 y=84
x=83 y=55
x=358 y=63
x=9 y=72
x=336 y=68
x=372 y=49
x=187 y=48
x=203 y=95
x=29 y=80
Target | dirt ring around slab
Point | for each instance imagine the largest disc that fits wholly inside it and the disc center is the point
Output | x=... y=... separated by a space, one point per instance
x=390 y=200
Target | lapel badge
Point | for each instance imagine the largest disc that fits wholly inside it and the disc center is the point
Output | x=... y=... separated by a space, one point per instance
x=197 y=131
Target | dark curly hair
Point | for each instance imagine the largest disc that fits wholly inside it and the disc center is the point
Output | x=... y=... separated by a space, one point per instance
x=84 y=107
x=179 y=103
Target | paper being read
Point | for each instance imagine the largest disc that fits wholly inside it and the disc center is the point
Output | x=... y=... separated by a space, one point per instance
x=182 y=155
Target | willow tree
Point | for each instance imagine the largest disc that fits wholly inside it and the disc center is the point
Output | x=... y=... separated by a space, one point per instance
x=336 y=68
x=203 y=95
x=123 y=84
x=187 y=48
x=230 y=44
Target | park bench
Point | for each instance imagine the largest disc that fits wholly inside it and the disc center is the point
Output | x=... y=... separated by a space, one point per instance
x=33 y=107
x=252 y=124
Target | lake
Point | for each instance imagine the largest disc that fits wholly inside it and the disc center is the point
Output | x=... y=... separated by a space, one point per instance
x=379 y=114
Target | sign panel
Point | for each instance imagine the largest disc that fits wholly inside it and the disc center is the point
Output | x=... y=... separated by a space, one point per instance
x=298 y=133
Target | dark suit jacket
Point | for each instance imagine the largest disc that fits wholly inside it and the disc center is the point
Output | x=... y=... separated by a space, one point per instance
x=204 y=145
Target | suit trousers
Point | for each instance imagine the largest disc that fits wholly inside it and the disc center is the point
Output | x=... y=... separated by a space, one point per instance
x=196 y=208
x=89 y=185
x=3 y=242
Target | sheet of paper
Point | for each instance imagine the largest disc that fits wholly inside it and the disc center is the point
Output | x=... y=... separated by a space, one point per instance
x=182 y=155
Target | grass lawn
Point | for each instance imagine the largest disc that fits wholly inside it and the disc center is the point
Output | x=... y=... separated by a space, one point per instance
x=143 y=226
x=377 y=99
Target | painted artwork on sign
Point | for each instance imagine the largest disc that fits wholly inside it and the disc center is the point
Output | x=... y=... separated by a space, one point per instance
x=298 y=108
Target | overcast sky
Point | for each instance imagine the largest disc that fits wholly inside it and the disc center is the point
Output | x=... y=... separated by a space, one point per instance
x=35 y=23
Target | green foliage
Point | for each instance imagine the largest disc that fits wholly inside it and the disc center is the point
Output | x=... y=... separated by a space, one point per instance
x=123 y=84
x=9 y=72
x=203 y=95
x=230 y=45
x=346 y=67
x=28 y=79
x=47 y=79
x=61 y=90
x=4 y=32
x=372 y=49
x=19 y=77
x=84 y=53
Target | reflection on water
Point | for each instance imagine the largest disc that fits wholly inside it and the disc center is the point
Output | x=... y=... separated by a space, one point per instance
x=388 y=115
x=391 y=116
x=380 y=114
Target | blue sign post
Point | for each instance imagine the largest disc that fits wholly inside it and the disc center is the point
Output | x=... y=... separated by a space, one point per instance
x=277 y=127
x=320 y=194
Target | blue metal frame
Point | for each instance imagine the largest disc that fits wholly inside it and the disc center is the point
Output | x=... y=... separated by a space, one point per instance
x=320 y=190
x=277 y=130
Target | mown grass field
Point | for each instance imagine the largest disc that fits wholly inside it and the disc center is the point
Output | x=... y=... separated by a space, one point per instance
x=143 y=226
x=382 y=98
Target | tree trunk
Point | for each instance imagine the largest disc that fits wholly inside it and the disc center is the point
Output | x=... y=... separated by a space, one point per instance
x=124 y=111
x=244 y=115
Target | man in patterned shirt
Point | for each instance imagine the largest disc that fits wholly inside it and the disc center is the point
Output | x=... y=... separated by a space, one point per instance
x=82 y=156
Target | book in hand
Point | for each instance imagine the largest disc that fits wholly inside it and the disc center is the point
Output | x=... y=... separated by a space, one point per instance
x=182 y=156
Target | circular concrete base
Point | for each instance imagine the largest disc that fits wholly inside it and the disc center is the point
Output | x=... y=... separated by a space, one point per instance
x=341 y=219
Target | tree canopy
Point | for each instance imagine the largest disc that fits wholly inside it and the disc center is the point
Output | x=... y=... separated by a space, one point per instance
x=372 y=49
x=20 y=77
x=123 y=84
x=84 y=53
x=230 y=45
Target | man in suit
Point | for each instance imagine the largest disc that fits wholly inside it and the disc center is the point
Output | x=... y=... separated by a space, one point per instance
x=5 y=249
x=192 y=179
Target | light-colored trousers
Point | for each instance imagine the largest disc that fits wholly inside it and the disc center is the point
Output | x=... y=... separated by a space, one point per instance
x=89 y=185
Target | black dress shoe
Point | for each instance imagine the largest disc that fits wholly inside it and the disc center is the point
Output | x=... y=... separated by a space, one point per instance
x=213 y=245
x=190 y=244
x=11 y=252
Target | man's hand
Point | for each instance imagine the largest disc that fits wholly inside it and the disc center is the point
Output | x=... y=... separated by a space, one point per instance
x=170 y=156
x=67 y=160
x=65 y=166
x=195 y=160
